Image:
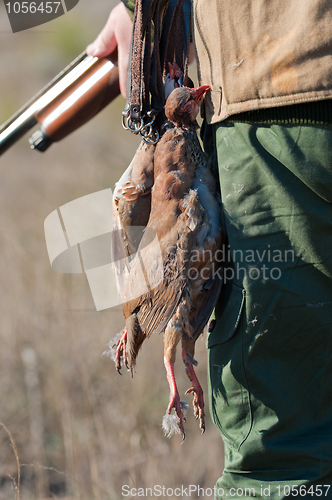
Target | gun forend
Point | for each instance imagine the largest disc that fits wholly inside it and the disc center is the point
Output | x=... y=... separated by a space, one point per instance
x=71 y=99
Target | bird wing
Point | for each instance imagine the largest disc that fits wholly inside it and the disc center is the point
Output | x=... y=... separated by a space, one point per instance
x=132 y=201
x=163 y=271
x=204 y=307
x=154 y=316
x=155 y=308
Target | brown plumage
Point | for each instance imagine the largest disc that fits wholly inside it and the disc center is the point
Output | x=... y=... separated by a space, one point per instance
x=185 y=215
x=132 y=195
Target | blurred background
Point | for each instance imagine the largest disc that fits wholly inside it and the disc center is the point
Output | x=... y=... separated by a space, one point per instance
x=80 y=430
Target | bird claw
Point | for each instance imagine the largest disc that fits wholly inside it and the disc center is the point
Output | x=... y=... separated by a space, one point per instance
x=198 y=404
x=121 y=352
x=196 y=390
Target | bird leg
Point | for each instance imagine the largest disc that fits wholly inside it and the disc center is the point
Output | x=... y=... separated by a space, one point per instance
x=121 y=352
x=196 y=389
x=169 y=425
x=172 y=335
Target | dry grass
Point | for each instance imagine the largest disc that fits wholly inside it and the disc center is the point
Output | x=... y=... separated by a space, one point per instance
x=16 y=483
x=81 y=431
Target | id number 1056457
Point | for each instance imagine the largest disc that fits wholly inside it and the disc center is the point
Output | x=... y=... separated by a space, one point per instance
x=32 y=7
x=319 y=490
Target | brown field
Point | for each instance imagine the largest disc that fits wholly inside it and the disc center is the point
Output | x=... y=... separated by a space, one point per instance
x=77 y=429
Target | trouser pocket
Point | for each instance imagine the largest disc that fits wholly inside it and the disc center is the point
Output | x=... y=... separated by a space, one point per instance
x=228 y=391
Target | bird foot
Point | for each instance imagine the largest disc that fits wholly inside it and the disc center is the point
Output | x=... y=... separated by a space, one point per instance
x=121 y=352
x=173 y=423
x=196 y=390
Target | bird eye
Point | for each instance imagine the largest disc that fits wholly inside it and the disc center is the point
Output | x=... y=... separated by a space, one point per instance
x=186 y=106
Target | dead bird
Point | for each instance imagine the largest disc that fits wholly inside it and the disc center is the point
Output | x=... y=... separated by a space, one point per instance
x=185 y=214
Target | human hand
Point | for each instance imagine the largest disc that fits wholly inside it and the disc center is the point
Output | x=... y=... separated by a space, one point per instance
x=116 y=33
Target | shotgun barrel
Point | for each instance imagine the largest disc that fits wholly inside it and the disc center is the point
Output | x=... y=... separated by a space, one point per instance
x=71 y=99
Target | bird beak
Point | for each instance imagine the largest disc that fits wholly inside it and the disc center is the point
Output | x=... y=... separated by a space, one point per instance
x=199 y=92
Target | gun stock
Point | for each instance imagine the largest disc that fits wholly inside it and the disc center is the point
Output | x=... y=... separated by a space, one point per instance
x=71 y=99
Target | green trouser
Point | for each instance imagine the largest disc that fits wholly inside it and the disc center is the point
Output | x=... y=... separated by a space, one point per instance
x=270 y=352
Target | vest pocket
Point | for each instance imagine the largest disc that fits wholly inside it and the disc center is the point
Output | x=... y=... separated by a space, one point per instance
x=229 y=396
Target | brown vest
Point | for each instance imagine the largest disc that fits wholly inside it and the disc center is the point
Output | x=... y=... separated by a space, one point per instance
x=262 y=53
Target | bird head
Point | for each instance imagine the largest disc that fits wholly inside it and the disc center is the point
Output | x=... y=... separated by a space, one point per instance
x=183 y=104
x=174 y=78
x=175 y=72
